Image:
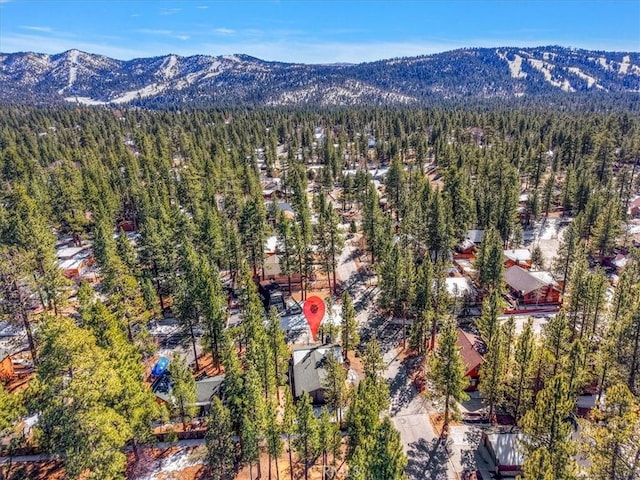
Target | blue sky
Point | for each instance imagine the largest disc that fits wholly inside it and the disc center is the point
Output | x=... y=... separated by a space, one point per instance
x=312 y=31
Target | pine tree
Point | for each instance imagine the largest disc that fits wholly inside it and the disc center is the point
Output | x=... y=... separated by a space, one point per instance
x=489 y=262
x=307 y=441
x=349 y=327
x=183 y=389
x=492 y=371
x=446 y=369
x=611 y=443
x=14 y=267
x=287 y=240
x=520 y=379
x=252 y=425
x=75 y=394
x=336 y=392
x=221 y=448
x=279 y=349
x=372 y=361
x=289 y=425
x=372 y=222
x=272 y=437
x=388 y=460
x=547 y=425
x=330 y=440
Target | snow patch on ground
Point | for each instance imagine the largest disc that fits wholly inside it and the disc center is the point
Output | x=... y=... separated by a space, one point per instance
x=545 y=68
x=175 y=463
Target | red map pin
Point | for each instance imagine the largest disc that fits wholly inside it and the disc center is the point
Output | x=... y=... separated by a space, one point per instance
x=314 y=312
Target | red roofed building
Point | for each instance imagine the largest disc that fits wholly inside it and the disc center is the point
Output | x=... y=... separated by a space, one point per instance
x=470 y=346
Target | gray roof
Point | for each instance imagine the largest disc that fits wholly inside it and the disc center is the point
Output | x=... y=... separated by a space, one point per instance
x=525 y=281
x=506 y=447
x=308 y=367
x=206 y=388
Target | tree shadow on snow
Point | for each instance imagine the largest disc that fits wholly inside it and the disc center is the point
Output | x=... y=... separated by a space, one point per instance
x=427 y=460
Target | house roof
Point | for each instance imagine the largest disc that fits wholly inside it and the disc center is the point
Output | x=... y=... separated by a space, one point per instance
x=466 y=244
x=475 y=236
x=620 y=261
x=459 y=286
x=271 y=244
x=525 y=281
x=68 y=253
x=506 y=447
x=308 y=367
x=518 y=254
x=206 y=388
x=469 y=345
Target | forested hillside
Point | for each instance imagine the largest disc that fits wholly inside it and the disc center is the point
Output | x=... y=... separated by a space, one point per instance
x=545 y=75
x=174 y=207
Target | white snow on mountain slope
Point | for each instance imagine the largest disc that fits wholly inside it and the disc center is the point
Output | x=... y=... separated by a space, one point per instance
x=515 y=66
x=148 y=91
x=545 y=68
x=73 y=70
x=84 y=101
x=346 y=94
x=590 y=80
x=604 y=63
x=168 y=68
x=624 y=66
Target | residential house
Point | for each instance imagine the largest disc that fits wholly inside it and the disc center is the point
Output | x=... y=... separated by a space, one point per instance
x=505 y=452
x=307 y=370
x=272 y=188
x=206 y=389
x=532 y=288
x=619 y=262
x=74 y=261
x=462 y=290
x=470 y=346
x=517 y=256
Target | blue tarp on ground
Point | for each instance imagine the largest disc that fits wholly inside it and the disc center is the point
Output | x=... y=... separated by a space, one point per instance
x=160 y=367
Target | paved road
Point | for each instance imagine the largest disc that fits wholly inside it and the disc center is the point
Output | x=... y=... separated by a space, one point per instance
x=409 y=413
x=428 y=458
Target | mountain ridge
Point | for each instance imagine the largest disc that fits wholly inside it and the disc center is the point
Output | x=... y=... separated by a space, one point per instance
x=77 y=77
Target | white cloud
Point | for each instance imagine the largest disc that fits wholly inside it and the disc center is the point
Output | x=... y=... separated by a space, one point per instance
x=169 y=11
x=182 y=37
x=153 y=31
x=202 y=7
x=37 y=28
x=225 y=31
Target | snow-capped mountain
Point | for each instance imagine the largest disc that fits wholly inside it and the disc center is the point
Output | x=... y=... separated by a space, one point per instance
x=172 y=80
